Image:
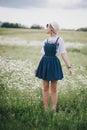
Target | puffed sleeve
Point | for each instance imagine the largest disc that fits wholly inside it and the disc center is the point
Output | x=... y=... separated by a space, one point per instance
x=61 y=48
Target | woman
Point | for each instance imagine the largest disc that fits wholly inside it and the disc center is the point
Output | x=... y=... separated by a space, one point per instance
x=49 y=68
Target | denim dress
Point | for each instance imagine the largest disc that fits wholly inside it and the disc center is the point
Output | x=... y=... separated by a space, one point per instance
x=49 y=67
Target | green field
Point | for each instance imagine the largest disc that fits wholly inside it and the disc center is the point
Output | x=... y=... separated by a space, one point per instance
x=21 y=106
x=71 y=36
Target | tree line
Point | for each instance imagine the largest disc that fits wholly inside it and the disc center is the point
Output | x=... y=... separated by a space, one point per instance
x=16 y=25
x=11 y=25
x=82 y=29
x=34 y=26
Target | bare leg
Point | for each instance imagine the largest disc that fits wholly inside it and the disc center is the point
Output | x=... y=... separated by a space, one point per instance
x=45 y=93
x=54 y=94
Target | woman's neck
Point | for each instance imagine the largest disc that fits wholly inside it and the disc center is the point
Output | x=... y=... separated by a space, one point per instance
x=53 y=35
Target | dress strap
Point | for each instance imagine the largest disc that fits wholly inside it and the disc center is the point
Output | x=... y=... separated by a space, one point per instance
x=57 y=41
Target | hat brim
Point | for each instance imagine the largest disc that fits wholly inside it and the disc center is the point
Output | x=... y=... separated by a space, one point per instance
x=49 y=25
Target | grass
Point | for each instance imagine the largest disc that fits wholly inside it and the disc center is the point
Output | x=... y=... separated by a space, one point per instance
x=74 y=36
x=28 y=34
x=21 y=106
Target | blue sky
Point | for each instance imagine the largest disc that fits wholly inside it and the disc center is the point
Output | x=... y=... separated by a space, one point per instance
x=68 y=13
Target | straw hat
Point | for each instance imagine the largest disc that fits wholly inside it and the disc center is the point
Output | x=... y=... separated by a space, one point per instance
x=54 y=26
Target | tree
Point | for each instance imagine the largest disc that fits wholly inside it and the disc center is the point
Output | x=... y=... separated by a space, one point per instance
x=12 y=25
x=36 y=26
x=82 y=29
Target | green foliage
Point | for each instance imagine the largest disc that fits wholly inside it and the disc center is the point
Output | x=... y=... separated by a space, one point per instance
x=24 y=114
x=82 y=29
x=11 y=25
x=35 y=26
x=21 y=106
x=74 y=36
x=40 y=34
x=82 y=50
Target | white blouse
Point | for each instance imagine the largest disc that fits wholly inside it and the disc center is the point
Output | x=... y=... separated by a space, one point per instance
x=61 y=48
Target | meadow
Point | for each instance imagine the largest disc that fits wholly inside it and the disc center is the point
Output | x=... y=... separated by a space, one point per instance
x=21 y=106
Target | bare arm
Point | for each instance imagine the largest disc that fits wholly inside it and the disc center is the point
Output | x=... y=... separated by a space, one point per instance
x=66 y=60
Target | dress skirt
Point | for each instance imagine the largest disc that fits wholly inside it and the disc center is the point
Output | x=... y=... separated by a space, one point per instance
x=49 y=68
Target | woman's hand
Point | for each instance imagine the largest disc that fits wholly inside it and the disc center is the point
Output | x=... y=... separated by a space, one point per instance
x=66 y=60
x=70 y=71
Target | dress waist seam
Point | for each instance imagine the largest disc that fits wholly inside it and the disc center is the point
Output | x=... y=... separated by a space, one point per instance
x=50 y=56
